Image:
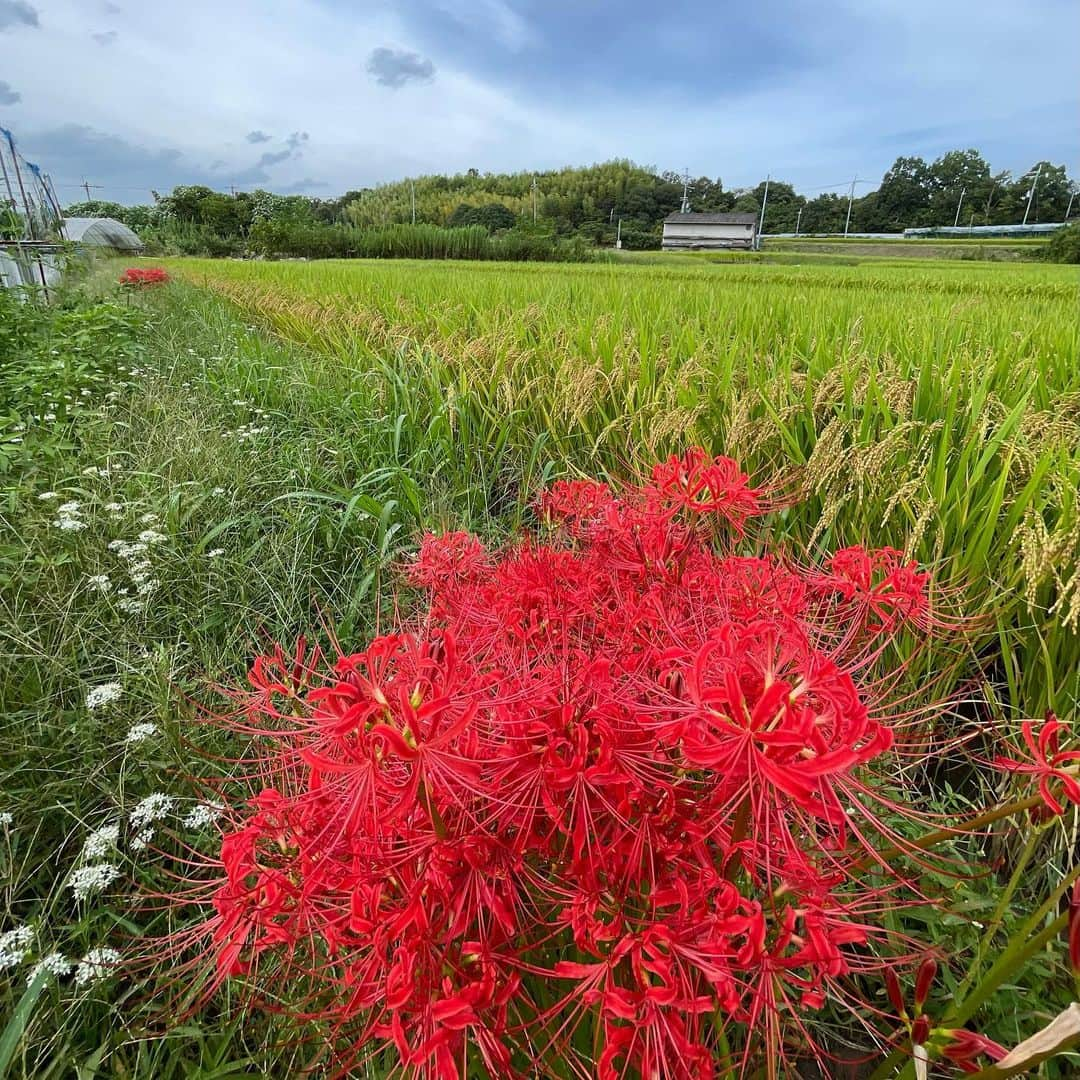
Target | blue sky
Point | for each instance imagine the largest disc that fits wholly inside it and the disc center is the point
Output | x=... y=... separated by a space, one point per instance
x=325 y=95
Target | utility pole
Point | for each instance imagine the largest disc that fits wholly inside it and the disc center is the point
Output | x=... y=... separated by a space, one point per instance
x=412 y=192
x=850 y=200
x=1072 y=195
x=963 y=192
x=798 y=221
x=1031 y=193
x=618 y=236
x=534 y=200
x=761 y=220
x=86 y=186
x=685 y=208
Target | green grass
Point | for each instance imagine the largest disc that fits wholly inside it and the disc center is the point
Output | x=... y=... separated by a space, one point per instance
x=934 y=406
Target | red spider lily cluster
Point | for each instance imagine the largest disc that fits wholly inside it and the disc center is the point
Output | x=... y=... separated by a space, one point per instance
x=605 y=802
x=143 y=277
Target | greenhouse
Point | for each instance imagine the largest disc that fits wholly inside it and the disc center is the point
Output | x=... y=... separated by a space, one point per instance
x=102 y=233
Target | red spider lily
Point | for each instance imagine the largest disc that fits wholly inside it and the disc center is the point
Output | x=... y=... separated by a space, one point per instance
x=964 y=1047
x=1047 y=762
x=143 y=276
x=623 y=759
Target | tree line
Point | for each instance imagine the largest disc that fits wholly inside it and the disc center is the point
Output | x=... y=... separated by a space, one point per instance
x=588 y=204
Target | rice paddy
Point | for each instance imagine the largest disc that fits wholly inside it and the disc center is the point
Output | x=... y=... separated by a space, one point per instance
x=935 y=408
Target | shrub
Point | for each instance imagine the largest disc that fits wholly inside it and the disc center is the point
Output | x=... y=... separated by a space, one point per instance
x=1064 y=245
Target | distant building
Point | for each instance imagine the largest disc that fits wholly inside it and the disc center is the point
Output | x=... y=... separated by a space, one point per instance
x=706 y=232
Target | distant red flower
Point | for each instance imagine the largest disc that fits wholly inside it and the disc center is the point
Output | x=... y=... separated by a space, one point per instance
x=143 y=277
x=1047 y=762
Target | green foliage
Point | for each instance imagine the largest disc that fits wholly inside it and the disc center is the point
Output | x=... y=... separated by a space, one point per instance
x=492 y=216
x=1064 y=246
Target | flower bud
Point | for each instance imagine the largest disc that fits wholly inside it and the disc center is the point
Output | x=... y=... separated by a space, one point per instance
x=923 y=981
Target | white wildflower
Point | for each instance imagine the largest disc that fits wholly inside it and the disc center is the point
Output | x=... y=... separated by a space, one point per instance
x=88 y=880
x=145 y=588
x=100 y=842
x=69 y=508
x=149 y=518
x=48 y=496
x=151 y=536
x=140 y=733
x=215 y=552
x=49 y=416
x=198 y=817
x=216 y=491
x=130 y=606
x=152 y=808
x=15 y=946
x=102 y=695
x=115 y=507
x=94 y=470
x=141 y=841
x=55 y=963
x=5 y=818
x=95 y=966
x=69 y=524
x=100 y=582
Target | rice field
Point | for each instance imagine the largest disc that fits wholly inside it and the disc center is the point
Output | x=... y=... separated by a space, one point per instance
x=253 y=452
x=935 y=408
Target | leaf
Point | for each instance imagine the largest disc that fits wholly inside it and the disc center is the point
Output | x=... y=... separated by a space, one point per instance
x=1058 y=1036
x=20 y=1017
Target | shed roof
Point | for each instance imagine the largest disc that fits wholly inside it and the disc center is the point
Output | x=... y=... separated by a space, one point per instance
x=711 y=219
x=102 y=232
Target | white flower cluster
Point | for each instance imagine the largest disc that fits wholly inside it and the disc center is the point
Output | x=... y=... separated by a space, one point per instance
x=139 y=569
x=101 y=842
x=5 y=818
x=102 y=695
x=88 y=880
x=95 y=966
x=198 y=817
x=56 y=964
x=213 y=553
x=139 y=733
x=115 y=508
x=152 y=808
x=245 y=433
x=216 y=491
x=48 y=496
x=94 y=470
x=68 y=517
x=15 y=946
x=100 y=582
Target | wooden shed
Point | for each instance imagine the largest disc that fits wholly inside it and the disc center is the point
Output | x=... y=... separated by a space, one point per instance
x=703 y=232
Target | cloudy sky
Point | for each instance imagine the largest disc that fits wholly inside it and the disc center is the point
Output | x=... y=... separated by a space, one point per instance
x=320 y=96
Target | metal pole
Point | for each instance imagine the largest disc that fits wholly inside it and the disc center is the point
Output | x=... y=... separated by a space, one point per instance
x=851 y=199
x=956 y=219
x=1031 y=193
x=412 y=189
x=761 y=220
x=1072 y=195
x=618 y=236
x=798 y=221
x=534 y=200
